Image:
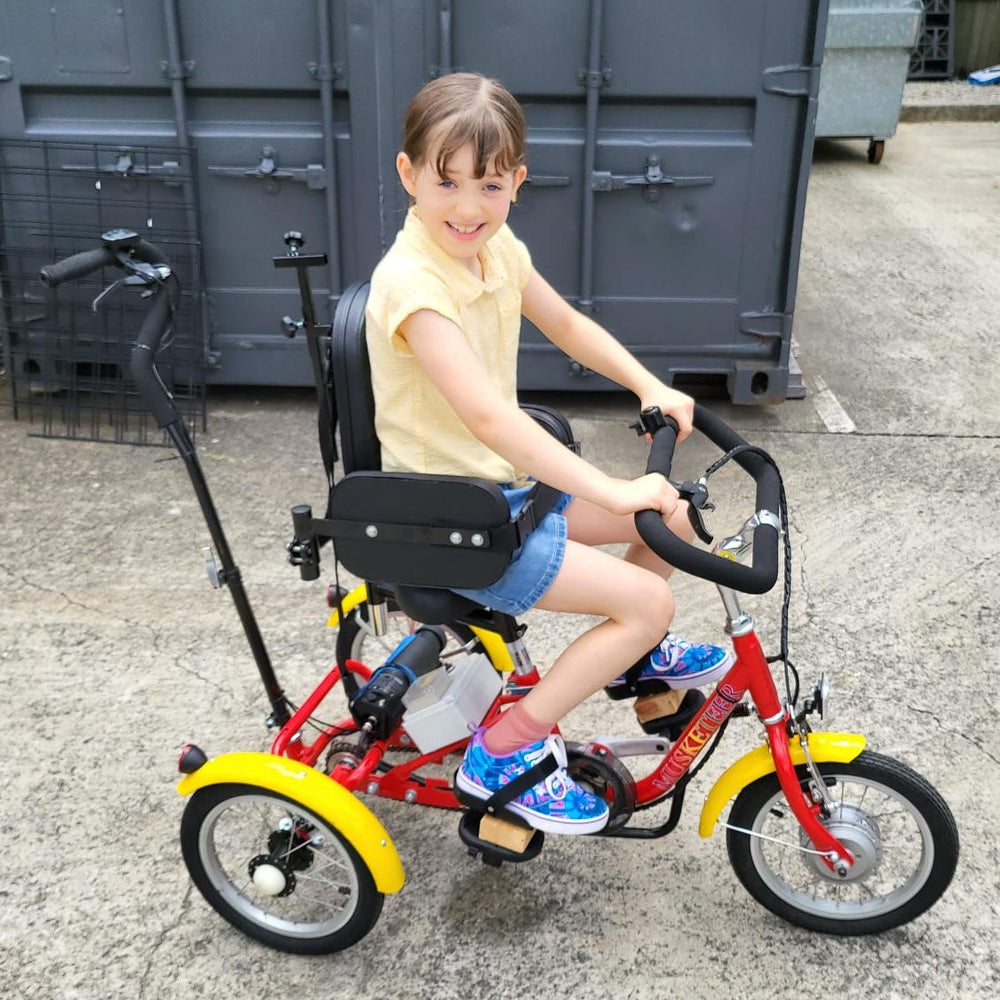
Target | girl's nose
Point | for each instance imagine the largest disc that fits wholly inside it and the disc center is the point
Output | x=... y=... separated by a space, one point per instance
x=467 y=210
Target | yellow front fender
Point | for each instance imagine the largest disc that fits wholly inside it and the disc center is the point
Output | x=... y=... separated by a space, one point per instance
x=496 y=648
x=835 y=748
x=318 y=793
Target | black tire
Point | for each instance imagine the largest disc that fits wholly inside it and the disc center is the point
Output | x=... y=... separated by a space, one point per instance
x=893 y=820
x=229 y=830
x=356 y=641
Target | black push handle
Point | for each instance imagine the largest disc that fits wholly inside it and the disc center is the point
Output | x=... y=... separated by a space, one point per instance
x=761 y=575
x=77 y=266
x=121 y=247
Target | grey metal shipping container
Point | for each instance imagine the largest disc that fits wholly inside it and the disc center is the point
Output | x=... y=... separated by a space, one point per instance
x=669 y=151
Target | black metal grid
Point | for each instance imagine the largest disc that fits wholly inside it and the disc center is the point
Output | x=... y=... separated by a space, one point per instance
x=933 y=58
x=67 y=367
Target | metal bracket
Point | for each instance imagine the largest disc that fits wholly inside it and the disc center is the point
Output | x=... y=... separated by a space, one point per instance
x=587 y=78
x=313 y=175
x=652 y=180
x=168 y=172
x=177 y=71
x=790 y=81
x=765 y=324
x=323 y=73
x=6 y=69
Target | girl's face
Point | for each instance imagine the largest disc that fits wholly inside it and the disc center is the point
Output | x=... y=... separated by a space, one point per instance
x=461 y=212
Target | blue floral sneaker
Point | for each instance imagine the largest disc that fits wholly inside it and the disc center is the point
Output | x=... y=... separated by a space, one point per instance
x=555 y=803
x=675 y=663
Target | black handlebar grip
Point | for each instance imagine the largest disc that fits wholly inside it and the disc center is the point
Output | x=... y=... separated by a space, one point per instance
x=758 y=578
x=77 y=266
x=422 y=653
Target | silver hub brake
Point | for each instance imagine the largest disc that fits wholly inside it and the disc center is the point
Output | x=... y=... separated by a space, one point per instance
x=859 y=833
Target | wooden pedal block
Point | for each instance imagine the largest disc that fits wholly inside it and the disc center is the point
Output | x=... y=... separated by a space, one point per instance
x=498 y=831
x=657 y=706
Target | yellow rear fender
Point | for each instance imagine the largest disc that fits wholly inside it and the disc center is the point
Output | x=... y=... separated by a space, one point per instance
x=825 y=748
x=496 y=648
x=316 y=792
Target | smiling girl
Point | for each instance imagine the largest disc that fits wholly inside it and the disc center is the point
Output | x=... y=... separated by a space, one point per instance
x=443 y=323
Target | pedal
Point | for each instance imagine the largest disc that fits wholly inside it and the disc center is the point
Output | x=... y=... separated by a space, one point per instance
x=498 y=840
x=667 y=713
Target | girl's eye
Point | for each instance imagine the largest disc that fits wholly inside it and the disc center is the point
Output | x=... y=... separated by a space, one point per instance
x=493 y=188
x=446 y=184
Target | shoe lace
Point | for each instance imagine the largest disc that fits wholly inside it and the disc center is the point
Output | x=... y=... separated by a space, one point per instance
x=673 y=650
x=558 y=784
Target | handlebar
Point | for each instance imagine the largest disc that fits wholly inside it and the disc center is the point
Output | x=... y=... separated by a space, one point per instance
x=82 y=264
x=77 y=266
x=757 y=578
x=123 y=249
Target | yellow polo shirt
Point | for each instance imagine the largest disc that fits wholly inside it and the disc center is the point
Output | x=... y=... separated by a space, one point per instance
x=416 y=426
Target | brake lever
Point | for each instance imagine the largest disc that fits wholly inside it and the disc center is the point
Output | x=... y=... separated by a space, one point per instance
x=696 y=495
x=131 y=279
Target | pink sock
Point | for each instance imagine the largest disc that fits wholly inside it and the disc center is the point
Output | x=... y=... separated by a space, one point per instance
x=516 y=728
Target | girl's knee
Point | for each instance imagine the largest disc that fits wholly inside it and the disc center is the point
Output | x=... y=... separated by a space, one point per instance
x=650 y=611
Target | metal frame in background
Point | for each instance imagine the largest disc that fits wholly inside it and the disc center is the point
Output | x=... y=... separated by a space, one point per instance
x=67 y=365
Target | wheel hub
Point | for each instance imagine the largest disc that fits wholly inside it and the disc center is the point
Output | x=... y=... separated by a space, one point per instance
x=271 y=876
x=859 y=833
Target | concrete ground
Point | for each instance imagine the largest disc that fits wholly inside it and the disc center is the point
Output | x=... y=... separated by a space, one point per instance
x=115 y=652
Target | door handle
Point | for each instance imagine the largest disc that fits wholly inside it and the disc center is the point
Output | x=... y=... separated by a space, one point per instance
x=267 y=170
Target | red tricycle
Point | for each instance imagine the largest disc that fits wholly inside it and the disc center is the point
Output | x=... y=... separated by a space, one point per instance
x=822 y=831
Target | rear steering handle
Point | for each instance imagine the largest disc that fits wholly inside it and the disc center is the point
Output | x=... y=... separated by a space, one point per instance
x=144 y=264
x=761 y=575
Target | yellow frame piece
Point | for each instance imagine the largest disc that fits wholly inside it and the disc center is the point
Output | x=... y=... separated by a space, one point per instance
x=496 y=648
x=323 y=796
x=825 y=748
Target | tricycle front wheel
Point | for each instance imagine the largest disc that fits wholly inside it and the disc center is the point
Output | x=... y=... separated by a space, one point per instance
x=276 y=870
x=893 y=821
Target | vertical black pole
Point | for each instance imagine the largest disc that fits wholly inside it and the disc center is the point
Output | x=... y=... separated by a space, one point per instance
x=230 y=572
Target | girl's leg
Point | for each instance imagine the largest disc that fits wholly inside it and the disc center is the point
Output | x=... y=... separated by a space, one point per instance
x=593 y=525
x=638 y=607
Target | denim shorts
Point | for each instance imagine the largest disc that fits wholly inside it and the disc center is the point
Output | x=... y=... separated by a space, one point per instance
x=534 y=565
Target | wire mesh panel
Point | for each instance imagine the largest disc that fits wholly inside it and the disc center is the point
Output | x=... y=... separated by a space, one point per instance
x=933 y=58
x=67 y=364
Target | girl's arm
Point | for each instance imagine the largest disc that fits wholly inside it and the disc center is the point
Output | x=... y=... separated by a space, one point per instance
x=584 y=341
x=444 y=353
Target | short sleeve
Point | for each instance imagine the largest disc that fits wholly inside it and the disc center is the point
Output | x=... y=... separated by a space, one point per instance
x=397 y=293
x=521 y=261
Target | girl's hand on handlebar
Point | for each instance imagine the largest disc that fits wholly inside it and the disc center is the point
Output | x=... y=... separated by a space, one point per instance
x=649 y=492
x=673 y=404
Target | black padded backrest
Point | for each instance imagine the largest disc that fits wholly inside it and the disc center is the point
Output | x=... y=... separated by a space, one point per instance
x=352 y=382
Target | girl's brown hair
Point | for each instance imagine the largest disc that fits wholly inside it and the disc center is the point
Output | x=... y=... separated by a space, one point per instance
x=465 y=109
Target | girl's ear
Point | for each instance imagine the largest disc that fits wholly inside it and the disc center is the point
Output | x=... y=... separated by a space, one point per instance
x=519 y=176
x=407 y=174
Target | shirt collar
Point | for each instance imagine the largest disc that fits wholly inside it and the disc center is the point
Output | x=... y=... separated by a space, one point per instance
x=464 y=284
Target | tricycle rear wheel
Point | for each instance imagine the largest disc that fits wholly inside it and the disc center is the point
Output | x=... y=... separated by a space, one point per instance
x=896 y=824
x=277 y=870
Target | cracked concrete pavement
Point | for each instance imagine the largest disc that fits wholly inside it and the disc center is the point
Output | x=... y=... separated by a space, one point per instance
x=115 y=652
